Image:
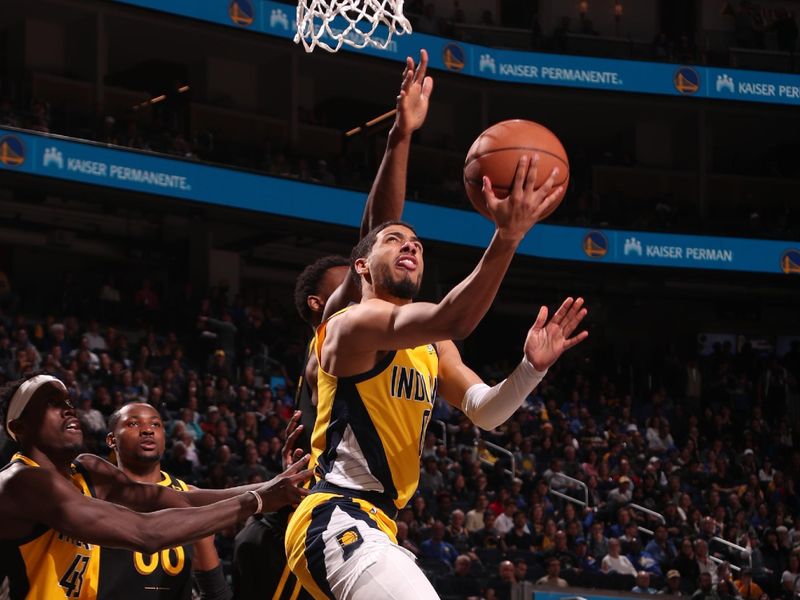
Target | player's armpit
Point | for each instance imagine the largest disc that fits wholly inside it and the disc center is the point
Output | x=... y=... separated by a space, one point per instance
x=455 y=378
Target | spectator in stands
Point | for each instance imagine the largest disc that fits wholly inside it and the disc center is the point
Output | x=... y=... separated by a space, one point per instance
x=505 y=521
x=552 y=578
x=643 y=584
x=622 y=494
x=747 y=588
x=673 y=584
x=705 y=590
x=614 y=562
x=505 y=580
x=436 y=549
x=661 y=547
x=790 y=578
x=519 y=538
x=461 y=584
x=704 y=563
x=488 y=536
x=404 y=541
x=474 y=519
x=598 y=542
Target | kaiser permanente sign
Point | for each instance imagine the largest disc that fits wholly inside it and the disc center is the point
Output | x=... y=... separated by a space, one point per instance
x=84 y=162
x=511 y=66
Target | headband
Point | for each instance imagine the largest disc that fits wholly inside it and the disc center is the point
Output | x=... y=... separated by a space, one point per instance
x=23 y=395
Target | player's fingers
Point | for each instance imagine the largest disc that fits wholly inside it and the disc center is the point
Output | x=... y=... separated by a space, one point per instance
x=541 y=318
x=422 y=68
x=562 y=311
x=574 y=341
x=533 y=168
x=298 y=465
x=552 y=199
x=549 y=182
x=297 y=455
x=300 y=477
x=427 y=87
x=519 y=175
x=408 y=72
x=572 y=323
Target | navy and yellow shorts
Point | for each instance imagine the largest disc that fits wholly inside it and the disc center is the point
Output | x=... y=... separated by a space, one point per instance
x=331 y=539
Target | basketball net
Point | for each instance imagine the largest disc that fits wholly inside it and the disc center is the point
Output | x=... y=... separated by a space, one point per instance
x=358 y=23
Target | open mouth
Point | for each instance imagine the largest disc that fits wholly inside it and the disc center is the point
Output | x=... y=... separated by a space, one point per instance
x=407 y=262
x=73 y=425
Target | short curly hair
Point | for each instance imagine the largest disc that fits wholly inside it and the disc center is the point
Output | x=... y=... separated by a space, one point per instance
x=309 y=280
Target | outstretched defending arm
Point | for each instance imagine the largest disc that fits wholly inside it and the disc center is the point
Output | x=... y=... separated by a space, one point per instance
x=388 y=193
x=489 y=407
x=40 y=497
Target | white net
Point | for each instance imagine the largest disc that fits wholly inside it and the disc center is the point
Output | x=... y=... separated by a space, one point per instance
x=331 y=23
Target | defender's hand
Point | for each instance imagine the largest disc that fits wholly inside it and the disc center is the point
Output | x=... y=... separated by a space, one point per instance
x=412 y=102
x=526 y=204
x=285 y=488
x=547 y=340
x=290 y=455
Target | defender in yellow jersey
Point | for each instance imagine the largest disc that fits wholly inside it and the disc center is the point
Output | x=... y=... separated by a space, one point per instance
x=56 y=508
x=381 y=363
x=137 y=438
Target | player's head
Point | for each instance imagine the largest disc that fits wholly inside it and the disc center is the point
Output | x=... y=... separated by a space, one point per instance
x=136 y=434
x=37 y=413
x=389 y=260
x=315 y=285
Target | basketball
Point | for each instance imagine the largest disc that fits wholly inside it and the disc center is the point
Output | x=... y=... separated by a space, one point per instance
x=496 y=154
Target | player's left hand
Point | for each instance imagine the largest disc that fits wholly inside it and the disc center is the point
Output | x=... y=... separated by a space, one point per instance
x=290 y=455
x=547 y=340
x=416 y=90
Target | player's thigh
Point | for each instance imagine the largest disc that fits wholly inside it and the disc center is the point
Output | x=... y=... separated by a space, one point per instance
x=393 y=575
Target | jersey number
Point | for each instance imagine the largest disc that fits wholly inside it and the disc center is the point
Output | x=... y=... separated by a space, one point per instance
x=72 y=581
x=145 y=566
x=426 y=418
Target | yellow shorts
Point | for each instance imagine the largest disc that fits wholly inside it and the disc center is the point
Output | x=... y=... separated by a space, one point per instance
x=331 y=539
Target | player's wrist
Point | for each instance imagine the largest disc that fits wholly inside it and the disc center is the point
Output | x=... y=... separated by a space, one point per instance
x=398 y=134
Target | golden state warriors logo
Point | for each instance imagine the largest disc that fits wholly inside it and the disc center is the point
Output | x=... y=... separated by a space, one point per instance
x=12 y=151
x=790 y=261
x=349 y=540
x=595 y=244
x=453 y=57
x=686 y=80
x=242 y=12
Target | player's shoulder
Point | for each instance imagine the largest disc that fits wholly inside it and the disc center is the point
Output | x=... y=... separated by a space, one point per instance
x=95 y=464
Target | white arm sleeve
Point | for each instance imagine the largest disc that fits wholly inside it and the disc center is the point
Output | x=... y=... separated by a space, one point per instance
x=490 y=407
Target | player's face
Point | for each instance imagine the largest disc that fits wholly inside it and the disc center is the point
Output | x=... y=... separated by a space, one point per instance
x=51 y=418
x=139 y=435
x=332 y=279
x=396 y=262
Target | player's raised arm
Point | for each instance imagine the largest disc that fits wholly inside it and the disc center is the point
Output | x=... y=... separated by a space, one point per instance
x=387 y=195
x=489 y=407
x=395 y=253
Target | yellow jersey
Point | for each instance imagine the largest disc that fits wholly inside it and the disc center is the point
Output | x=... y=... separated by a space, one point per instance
x=48 y=565
x=370 y=427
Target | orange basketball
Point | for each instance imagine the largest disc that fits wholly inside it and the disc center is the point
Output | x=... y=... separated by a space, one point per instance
x=496 y=154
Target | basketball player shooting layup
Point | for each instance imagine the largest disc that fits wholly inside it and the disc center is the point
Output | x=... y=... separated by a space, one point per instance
x=380 y=363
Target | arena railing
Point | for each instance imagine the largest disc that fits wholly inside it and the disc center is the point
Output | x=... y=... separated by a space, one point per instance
x=647 y=511
x=575 y=483
x=443 y=425
x=501 y=450
x=747 y=552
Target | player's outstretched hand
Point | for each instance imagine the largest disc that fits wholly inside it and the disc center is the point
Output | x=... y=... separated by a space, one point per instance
x=416 y=90
x=290 y=454
x=286 y=488
x=526 y=204
x=547 y=340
